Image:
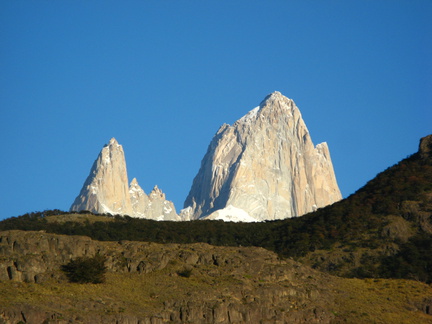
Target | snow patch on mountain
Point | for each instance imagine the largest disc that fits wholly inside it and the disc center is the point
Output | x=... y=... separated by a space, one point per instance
x=231 y=214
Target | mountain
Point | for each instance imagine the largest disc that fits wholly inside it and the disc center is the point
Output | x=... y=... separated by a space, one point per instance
x=382 y=230
x=154 y=206
x=263 y=167
x=106 y=190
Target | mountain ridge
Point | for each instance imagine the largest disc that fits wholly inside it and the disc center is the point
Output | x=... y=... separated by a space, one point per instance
x=263 y=167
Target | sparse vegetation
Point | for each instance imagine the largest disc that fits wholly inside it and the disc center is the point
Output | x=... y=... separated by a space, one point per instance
x=356 y=300
x=86 y=269
x=186 y=272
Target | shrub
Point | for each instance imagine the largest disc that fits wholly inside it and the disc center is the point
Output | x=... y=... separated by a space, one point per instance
x=185 y=273
x=86 y=269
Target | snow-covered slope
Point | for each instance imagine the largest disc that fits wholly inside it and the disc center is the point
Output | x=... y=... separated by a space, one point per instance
x=231 y=214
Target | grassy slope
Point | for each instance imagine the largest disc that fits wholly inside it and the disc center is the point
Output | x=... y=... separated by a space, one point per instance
x=357 y=301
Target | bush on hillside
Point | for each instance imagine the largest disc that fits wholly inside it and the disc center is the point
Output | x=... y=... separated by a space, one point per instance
x=86 y=269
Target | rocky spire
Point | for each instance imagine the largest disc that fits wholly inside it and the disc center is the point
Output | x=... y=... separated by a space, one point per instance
x=159 y=208
x=263 y=167
x=139 y=199
x=106 y=188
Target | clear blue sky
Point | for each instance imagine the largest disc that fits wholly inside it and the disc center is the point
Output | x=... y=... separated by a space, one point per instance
x=162 y=76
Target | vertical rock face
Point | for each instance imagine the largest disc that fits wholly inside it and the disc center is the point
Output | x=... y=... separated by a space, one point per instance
x=263 y=167
x=106 y=190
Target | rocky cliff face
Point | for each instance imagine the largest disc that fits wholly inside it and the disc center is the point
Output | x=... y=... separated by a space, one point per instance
x=106 y=190
x=263 y=167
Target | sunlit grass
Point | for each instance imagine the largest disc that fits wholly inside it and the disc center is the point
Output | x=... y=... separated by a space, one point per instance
x=357 y=300
x=382 y=301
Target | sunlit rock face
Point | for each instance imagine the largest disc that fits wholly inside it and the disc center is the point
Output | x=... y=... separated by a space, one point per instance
x=263 y=167
x=154 y=206
x=106 y=190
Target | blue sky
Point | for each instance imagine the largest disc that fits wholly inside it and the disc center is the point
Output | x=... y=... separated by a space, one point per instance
x=162 y=76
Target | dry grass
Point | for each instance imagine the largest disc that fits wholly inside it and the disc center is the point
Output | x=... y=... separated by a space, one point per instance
x=357 y=301
x=121 y=293
x=382 y=301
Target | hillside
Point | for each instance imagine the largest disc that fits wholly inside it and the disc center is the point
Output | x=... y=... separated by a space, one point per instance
x=383 y=230
x=189 y=283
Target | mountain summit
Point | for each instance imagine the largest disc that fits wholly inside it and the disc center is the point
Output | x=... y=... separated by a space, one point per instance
x=106 y=190
x=263 y=167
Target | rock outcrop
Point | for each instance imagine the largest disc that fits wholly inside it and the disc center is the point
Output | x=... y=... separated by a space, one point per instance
x=188 y=283
x=263 y=167
x=106 y=190
x=226 y=284
x=425 y=147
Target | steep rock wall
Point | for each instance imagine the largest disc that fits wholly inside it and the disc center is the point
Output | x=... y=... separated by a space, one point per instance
x=264 y=165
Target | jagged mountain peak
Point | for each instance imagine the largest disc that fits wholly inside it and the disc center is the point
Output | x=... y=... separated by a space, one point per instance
x=264 y=165
x=277 y=104
x=275 y=95
x=273 y=104
x=113 y=141
x=112 y=145
x=106 y=190
x=157 y=192
x=135 y=188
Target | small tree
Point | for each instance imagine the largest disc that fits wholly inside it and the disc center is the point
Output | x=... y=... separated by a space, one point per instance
x=86 y=269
